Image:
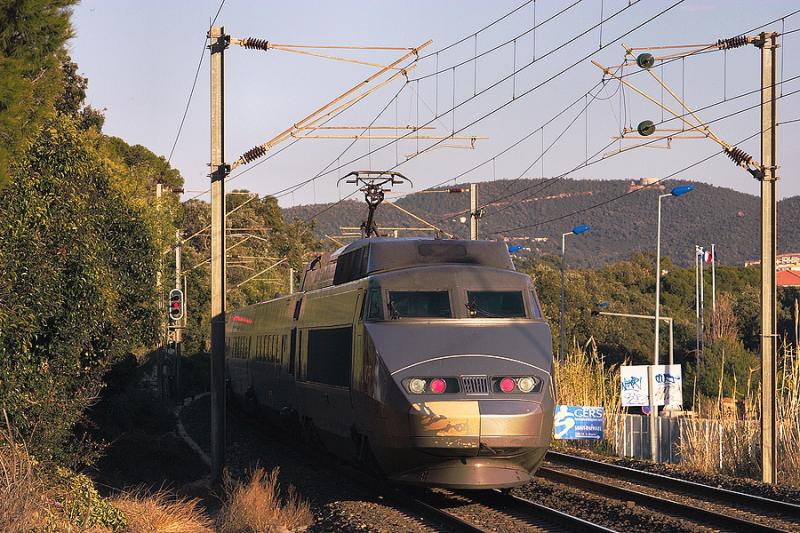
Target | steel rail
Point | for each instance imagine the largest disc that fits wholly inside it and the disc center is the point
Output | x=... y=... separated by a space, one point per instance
x=572 y=523
x=673 y=483
x=441 y=515
x=658 y=504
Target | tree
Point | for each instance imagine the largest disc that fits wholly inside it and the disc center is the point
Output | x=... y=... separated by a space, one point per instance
x=32 y=38
x=76 y=295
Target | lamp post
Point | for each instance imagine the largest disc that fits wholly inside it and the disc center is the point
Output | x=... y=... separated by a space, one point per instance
x=676 y=191
x=577 y=230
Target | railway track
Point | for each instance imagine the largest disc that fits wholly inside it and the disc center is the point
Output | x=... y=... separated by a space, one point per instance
x=484 y=511
x=703 y=504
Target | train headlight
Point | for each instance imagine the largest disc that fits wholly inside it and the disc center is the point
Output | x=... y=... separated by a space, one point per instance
x=416 y=386
x=526 y=384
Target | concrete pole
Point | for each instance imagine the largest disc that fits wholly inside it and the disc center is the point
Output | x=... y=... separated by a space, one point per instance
x=161 y=309
x=218 y=42
x=291 y=280
x=768 y=43
x=713 y=280
x=702 y=303
x=178 y=332
x=697 y=303
x=473 y=211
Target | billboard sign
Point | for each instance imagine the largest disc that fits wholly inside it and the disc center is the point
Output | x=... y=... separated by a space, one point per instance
x=578 y=422
x=667 y=385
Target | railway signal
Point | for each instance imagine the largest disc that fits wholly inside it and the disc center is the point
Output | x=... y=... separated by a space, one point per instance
x=175 y=305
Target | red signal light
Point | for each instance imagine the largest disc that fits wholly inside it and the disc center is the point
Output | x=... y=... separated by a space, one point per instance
x=438 y=385
x=507 y=385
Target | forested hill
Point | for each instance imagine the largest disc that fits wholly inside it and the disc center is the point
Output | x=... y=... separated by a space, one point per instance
x=709 y=214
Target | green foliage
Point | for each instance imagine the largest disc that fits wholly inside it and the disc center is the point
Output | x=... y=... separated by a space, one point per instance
x=76 y=295
x=82 y=505
x=32 y=37
x=727 y=360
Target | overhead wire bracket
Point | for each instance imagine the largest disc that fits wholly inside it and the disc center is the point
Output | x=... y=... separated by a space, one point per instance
x=646 y=61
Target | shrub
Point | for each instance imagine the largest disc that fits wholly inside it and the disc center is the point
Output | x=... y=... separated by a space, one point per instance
x=162 y=513
x=255 y=506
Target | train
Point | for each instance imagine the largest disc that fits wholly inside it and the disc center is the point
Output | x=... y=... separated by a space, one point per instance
x=427 y=361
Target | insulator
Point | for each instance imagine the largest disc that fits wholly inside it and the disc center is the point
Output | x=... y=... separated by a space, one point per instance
x=732 y=42
x=253 y=153
x=645 y=60
x=738 y=156
x=252 y=43
x=646 y=127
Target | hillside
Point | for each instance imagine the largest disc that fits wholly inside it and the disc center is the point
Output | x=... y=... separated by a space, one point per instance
x=728 y=218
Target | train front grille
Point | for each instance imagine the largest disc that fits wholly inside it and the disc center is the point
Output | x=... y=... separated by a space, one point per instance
x=475 y=385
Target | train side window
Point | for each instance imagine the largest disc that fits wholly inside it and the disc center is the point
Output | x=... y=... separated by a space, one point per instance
x=374 y=305
x=329 y=356
x=297 y=306
x=292 y=350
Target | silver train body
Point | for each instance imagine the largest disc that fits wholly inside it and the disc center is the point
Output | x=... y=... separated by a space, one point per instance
x=427 y=360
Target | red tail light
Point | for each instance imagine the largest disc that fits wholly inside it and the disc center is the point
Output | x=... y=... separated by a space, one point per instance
x=438 y=385
x=507 y=384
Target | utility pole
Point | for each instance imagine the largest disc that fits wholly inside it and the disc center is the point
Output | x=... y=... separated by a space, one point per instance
x=291 y=280
x=473 y=212
x=713 y=280
x=178 y=331
x=768 y=42
x=161 y=309
x=219 y=170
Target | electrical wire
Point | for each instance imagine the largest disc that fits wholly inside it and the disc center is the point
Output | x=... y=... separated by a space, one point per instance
x=606 y=202
x=470 y=36
x=506 y=43
x=194 y=84
x=592 y=161
x=507 y=103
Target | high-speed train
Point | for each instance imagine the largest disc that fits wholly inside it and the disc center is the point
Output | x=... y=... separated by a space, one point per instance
x=426 y=360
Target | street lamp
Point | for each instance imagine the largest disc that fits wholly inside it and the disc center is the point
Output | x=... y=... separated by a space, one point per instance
x=676 y=192
x=577 y=230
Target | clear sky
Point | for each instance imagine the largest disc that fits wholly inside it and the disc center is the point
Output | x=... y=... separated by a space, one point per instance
x=140 y=57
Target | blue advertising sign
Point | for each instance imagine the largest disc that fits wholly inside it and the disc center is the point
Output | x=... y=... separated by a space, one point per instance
x=578 y=422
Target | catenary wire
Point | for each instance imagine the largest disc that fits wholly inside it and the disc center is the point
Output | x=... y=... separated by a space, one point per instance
x=605 y=202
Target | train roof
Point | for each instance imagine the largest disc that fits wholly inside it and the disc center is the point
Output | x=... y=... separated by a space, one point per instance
x=372 y=255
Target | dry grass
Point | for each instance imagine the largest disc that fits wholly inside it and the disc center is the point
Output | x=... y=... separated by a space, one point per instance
x=22 y=500
x=730 y=442
x=583 y=379
x=162 y=513
x=256 y=506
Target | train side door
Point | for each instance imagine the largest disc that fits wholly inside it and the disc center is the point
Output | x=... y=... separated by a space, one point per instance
x=356 y=367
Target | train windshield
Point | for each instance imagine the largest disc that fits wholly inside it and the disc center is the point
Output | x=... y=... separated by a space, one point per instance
x=495 y=304
x=419 y=304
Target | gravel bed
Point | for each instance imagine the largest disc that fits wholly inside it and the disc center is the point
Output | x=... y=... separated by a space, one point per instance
x=338 y=503
x=786 y=493
x=611 y=513
x=768 y=519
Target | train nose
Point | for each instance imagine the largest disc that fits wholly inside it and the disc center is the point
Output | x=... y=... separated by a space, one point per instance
x=491 y=427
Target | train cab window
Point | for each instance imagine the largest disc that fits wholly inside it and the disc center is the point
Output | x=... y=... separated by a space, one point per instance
x=419 y=304
x=495 y=304
x=535 y=308
x=374 y=305
x=351 y=266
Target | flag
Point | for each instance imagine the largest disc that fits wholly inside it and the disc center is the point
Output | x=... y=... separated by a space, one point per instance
x=707 y=257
